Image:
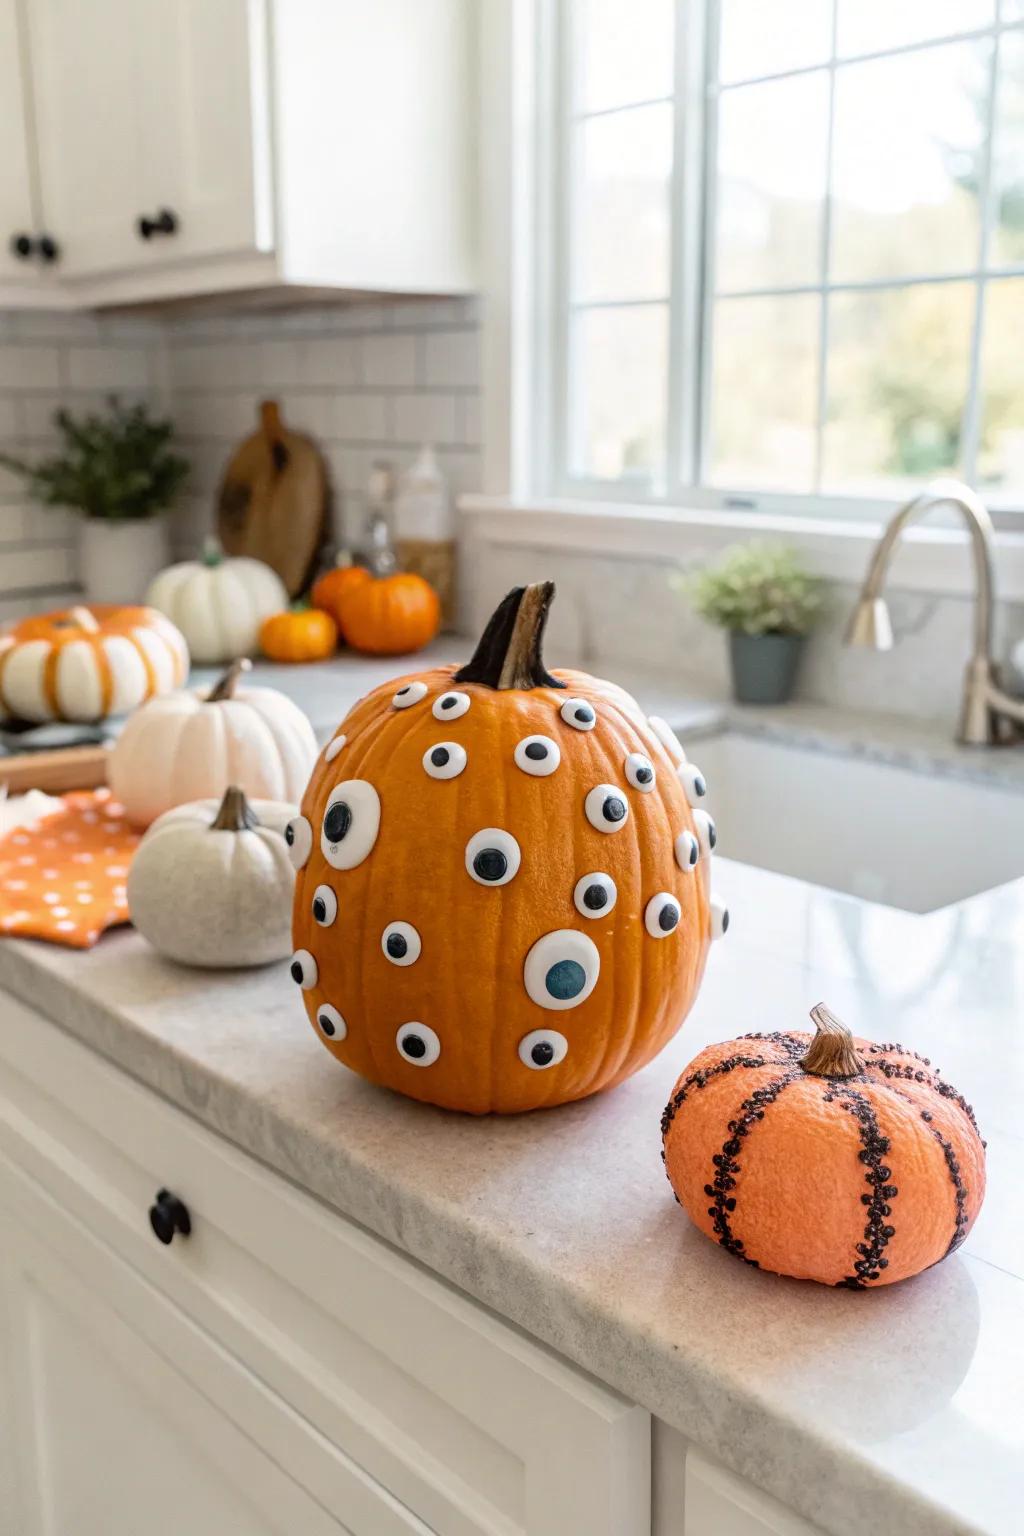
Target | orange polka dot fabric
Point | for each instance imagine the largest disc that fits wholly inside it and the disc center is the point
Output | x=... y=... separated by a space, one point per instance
x=64 y=878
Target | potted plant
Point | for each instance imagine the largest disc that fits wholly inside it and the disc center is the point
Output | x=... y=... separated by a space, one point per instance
x=118 y=471
x=768 y=601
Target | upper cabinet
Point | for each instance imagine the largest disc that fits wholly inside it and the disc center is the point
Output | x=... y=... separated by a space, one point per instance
x=182 y=147
x=18 y=212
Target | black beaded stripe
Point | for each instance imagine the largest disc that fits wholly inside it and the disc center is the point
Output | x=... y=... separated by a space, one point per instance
x=953 y=1166
x=794 y=1046
x=719 y=1191
x=896 y=1069
x=874 y=1147
x=700 y=1079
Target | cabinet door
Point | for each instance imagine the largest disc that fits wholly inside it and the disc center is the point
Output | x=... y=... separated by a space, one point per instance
x=18 y=214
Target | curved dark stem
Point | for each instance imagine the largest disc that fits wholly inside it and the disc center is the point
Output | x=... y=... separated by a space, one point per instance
x=224 y=687
x=234 y=814
x=509 y=652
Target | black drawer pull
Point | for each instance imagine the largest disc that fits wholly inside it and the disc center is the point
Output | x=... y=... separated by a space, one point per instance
x=165 y=223
x=168 y=1215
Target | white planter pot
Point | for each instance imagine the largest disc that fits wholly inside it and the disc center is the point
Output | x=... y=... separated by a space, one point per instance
x=118 y=560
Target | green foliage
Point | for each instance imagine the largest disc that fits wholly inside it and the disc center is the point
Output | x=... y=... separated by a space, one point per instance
x=761 y=589
x=115 y=466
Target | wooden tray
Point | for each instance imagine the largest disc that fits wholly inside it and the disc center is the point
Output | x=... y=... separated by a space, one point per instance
x=56 y=771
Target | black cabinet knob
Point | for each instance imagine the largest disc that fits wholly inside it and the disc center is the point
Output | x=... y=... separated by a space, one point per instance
x=168 y=1215
x=22 y=246
x=165 y=223
x=49 y=250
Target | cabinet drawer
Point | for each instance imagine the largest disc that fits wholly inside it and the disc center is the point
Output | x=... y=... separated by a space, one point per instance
x=468 y=1423
x=718 y=1503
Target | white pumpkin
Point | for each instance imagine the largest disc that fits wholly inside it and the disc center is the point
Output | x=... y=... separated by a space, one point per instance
x=191 y=745
x=211 y=883
x=218 y=603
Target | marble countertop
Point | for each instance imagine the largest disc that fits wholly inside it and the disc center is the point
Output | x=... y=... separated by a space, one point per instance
x=899 y=1410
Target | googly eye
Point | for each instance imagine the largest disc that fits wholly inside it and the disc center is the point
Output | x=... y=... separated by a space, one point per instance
x=330 y=1022
x=401 y=943
x=687 y=851
x=606 y=808
x=445 y=761
x=450 y=706
x=561 y=969
x=298 y=834
x=542 y=1048
x=537 y=755
x=492 y=856
x=325 y=906
x=639 y=771
x=693 y=782
x=579 y=714
x=668 y=738
x=334 y=747
x=351 y=823
x=707 y=832
x=719 y=920
x=304 y=969
x=418 y=1044
x=410 y=694
x=662 y=914
x=595 y=895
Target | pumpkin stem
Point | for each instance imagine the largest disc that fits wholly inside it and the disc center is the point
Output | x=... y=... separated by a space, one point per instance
x=235 y=813
x=224 y=687
x=84 y=619
x=832 y=1052
x=509 y=652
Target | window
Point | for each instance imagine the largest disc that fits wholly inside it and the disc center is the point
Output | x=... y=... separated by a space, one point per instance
x=792 y=249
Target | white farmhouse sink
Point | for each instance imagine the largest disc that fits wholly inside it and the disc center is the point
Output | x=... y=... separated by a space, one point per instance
x=885 y=833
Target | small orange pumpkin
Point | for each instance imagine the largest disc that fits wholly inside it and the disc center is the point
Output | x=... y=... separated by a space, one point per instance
x=502 y=900
x=298 y=634
x=826 y=1158
x=330 y=588
x=389 y=615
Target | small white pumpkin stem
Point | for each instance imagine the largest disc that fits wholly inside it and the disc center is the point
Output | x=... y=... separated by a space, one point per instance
x=235 y=814
x=212 y=553
x=84 y=619
x=832 y=1052
x=224 y=687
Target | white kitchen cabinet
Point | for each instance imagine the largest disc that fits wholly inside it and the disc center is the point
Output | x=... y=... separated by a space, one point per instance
x=18 y=211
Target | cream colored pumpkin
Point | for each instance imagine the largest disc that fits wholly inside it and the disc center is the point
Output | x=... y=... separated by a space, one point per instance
x=218 y=603
x=192 y=745
x=211 y=883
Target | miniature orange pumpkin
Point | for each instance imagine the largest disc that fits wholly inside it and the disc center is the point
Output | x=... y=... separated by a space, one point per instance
x=330 y=588
x=389 y=615
x=502 y=900
x=826 y=1158
x=298 y=634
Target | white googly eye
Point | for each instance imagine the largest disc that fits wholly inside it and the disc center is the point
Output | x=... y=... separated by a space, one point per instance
x=719 y=919
x=662 y=914
x=401 y=943
x=579 y=714
x=492 y=856
x=351 y=823
x=537 y=755
x=639 y=771
x=446 y=760
x=595 y=895
x=561 y=969
x=325 y=906
x=334 y=747
x=687 y=851
x=542 y=1048
x=606 y=808
x=668 y=738
x=450 y=706
x=410 y=694
x=330 y=1022
x=418 y=1044
x=693 y=782
x=304 y=970
x=707 y=833
x=298 y=834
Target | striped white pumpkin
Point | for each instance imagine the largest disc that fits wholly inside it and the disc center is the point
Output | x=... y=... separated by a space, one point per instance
x=86 y=664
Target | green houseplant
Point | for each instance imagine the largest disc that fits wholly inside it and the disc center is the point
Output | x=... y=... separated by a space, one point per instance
x=767 y=600
x=119 y=471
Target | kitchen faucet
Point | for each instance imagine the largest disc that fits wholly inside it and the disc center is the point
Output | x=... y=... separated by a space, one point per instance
x=988 y=714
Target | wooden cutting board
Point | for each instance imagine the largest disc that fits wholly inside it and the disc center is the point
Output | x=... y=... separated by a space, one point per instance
x=272 y=502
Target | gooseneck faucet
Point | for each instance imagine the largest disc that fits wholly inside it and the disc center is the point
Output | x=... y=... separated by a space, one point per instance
x=988 y=714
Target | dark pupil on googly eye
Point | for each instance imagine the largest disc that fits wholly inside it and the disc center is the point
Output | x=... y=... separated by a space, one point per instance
x=326 y=1025
x=668 y=917
x=613 y=809
x=450 y=702
x=595 y=897
x=414 y=1045
x=319 y=908
x=542 y=1053
x=644 y=775
x=296 y=970
x=289 y=835
x=565 y=979
x=397 y=947
x=440 y=756
x=584 y=715
x=694 y=851
x=337 y=822
x=490 y=864
x=536 y=751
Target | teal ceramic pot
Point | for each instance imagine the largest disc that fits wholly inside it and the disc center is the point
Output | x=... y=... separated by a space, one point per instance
x=764 y=667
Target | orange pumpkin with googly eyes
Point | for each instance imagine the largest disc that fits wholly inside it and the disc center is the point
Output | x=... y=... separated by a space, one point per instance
x=502 y=899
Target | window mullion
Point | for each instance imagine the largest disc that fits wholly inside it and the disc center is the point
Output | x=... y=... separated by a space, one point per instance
x=686 y=214
x=826 y=264
x=970 y=424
